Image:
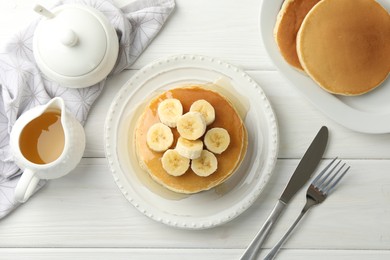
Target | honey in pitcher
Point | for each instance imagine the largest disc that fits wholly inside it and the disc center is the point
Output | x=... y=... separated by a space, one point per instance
x=42 y=140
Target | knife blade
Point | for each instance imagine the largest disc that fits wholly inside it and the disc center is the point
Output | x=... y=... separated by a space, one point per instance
x=301 y=175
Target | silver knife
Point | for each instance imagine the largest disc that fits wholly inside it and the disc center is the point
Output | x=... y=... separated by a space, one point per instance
x=301 y=175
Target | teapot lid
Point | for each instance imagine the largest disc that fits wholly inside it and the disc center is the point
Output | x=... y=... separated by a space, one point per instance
x=75 y=45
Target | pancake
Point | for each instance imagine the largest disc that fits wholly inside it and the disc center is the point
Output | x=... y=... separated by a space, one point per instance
x=226 y=117
x=288 y=22
x=344 y=45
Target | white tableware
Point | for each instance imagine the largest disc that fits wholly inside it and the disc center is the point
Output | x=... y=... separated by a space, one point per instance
x=75 y=45
x=301 y=175
x=368 y=113
x=205 y=209
x=70 y=146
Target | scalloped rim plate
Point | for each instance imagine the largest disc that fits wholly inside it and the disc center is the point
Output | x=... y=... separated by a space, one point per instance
x=208 y=208
x=368 y=113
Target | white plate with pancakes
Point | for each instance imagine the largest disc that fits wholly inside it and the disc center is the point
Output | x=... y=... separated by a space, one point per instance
x=367 y=113
x=209 y=208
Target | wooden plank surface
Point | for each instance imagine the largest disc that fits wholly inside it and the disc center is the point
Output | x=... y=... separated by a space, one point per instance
x=179 y=254
x=86 y=209
x=84 y=215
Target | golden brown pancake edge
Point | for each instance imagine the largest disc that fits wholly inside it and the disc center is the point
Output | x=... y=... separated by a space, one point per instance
x=173 y=183
x=358 y=61
x=287 y=24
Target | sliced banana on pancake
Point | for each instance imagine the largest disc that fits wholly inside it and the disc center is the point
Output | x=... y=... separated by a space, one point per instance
x=217 y=140
x=191 y=125
x=205 y=108
x=174 y=164
x=190 y=149
x=169 y=111
x=205 y=165
x=218 y=170
x=159 y=137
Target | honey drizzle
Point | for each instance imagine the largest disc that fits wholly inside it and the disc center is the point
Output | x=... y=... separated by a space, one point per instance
x=42 y=140
x=221 y=85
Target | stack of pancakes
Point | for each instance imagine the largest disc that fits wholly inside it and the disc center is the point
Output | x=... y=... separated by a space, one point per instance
x=343 y=45
x=226 y=117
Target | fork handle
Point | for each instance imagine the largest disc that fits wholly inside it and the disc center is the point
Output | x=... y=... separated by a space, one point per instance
x=254 y=247
x=271 y=255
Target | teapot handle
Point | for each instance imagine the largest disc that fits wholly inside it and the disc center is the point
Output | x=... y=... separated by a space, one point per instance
x=26 y=185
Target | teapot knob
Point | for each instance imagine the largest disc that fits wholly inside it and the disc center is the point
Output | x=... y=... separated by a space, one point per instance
x=68 y=37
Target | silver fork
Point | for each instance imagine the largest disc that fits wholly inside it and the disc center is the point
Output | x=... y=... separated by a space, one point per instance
x=317 y=192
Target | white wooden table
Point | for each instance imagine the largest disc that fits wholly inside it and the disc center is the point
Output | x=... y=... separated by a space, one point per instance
x=85 y=216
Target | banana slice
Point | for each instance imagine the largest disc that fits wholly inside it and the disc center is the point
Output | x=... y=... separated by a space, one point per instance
x=169 y=111
x=191 y=125
x=174 y=164
x=217 y=140
x=205 y=165
x=190 y=149
x=159 y=137
x=205 y=108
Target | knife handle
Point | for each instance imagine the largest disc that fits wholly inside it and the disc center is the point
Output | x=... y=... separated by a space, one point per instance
x=255 y=245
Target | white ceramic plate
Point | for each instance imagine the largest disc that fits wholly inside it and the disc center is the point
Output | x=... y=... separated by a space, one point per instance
x=369 y=113
x=205 y=209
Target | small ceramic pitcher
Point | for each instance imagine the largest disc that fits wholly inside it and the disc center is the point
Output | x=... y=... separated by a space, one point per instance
x=47 y=143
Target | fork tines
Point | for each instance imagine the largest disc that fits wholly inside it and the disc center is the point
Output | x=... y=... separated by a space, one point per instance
x=326 y=186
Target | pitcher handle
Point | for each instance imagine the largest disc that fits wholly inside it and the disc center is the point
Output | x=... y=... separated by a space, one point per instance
x=26 y=185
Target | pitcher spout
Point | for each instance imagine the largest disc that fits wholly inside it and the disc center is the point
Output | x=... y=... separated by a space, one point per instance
x=56 y=103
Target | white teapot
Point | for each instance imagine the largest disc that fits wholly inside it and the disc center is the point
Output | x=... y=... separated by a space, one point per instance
x=75 y=45
x=47 y=142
